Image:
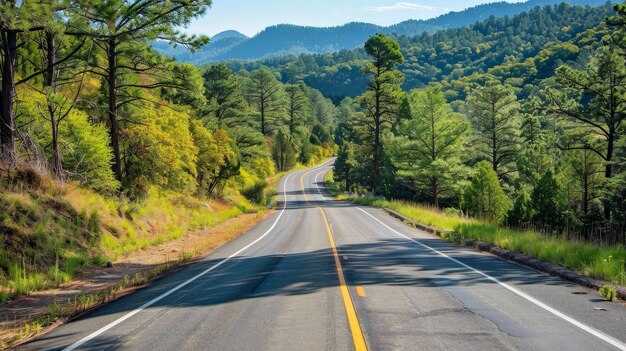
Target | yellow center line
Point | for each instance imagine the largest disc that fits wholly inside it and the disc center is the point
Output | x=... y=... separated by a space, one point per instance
x=360 y=291
x=353 y=320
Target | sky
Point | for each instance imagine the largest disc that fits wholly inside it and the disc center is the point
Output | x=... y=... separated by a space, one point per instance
x=251 y=16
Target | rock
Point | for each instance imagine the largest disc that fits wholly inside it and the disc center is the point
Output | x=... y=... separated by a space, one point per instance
x=109 y=264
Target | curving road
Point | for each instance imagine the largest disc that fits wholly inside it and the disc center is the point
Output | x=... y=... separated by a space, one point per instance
x=321 y=274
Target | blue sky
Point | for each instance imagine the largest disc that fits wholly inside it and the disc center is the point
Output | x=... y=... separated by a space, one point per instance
x=251 y=16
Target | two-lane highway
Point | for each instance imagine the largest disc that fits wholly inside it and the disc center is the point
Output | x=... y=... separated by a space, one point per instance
x=321 y=274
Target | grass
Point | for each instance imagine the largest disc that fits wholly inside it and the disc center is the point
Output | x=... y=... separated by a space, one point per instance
x=599 y=261
x=608 y=293
x=48 y=232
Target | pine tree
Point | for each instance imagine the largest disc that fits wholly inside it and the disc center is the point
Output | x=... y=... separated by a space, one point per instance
x=428 y=152
x=483 y=197
x=381 y=100
x=494 y=115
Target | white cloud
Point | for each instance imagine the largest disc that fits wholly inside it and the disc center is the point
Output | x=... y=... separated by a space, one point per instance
x=410 y=6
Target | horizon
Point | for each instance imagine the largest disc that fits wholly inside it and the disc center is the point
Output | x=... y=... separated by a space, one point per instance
x=252 y=16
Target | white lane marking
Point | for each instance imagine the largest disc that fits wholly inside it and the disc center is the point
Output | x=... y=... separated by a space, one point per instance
x=609 y=339
x=318 y=188
x=171 y=291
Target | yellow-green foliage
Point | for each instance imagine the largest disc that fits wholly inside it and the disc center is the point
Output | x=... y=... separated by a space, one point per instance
x=420 y=213
x=608 y=293
x=163 y=152
x=48 y=232
x=156 y=219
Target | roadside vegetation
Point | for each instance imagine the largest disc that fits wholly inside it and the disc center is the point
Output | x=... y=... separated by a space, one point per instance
x=599 y=261
x=534 y=165
x=107 y=147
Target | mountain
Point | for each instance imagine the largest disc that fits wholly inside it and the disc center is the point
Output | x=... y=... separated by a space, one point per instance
x=521 y=50
x=228 y=34
x=284 y=39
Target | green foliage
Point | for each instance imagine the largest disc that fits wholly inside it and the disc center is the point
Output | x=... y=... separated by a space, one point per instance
x=379 y=105
x=161 y=153
x=507 y=48
x=494 y=115
x=255 y=192
x=608 y=293
x=483 y=197
x=345 y=165
x=521 y=213
x=548 y=202
x=427 y=153
x=217 y=160
x=283 y=151
x=86 y=153
x=589 y=105
x=225 y=103
x=265 y=93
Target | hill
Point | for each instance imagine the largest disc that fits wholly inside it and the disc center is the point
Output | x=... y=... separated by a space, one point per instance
x=452 y=54
x=228 y=34
x=283 y=39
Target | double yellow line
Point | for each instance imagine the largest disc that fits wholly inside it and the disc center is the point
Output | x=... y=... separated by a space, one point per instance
x=353 y=320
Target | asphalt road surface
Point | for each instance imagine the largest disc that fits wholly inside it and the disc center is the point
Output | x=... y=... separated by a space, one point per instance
x=321 y=274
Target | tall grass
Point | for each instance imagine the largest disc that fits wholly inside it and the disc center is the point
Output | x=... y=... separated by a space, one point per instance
x=599 y=261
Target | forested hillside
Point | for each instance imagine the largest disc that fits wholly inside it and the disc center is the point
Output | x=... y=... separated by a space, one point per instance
x=563 y=32
x=535 y=143
x=280 y=40
x=106 y=146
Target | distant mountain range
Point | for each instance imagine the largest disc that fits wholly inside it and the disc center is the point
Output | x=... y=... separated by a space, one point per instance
x=284 y=39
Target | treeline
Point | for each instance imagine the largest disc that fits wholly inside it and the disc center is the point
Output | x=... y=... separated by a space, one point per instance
x=497 y=46
x=553 y=159
x=85 y=98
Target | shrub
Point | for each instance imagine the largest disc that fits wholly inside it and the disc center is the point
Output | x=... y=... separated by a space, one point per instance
x=484 y=197
x=548 y=202
x=521 y=213
x=255 y=192
x=608 y=293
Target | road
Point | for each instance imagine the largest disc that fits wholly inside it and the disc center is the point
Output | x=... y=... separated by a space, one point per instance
x=321 y=274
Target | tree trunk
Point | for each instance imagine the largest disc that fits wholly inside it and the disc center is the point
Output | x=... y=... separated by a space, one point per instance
x=113 y=121
x=7 y=114
x=50 y=81
x=435 y=191
x=608 y=171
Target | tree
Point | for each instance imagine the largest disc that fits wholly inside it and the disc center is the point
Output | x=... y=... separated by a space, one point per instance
x=64 y=68
x=86 y=153
x=121 y=29
x=17 y=19
x=548 y=202
x=297 y=106
x=380 y=101
x=225 y=101
x=592 y=102
x=586 y=175
x=217 y=159
x=265 y=92
x=345 y=165
x=161 y=153
x=483 y=197
x=428 y=152
x=493 y=111
x=404 y=113
x=521 y=213
x=283 y=151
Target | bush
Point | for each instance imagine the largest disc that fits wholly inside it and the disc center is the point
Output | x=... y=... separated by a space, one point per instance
x=255 y=192
x=521 y=213
x=484 y=197
x=548 y=202
x=608 y=293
